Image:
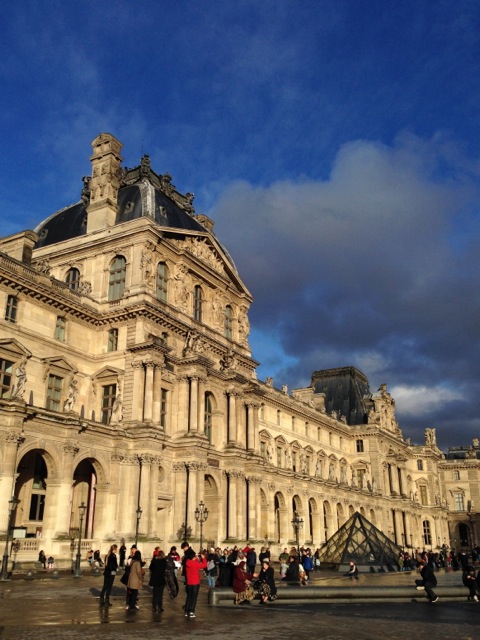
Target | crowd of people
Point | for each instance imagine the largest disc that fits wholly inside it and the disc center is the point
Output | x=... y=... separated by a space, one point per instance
x=251 y=575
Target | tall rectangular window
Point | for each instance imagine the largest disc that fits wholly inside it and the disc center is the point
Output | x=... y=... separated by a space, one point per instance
x=109 y=393
x=112 y=344
x=162 y=281
x=279 y=457
x=60 y=329
x=197 y=303
x=54 y=392
x=459 y=500
x=11 y=309
x=427 y=534
x=423 y=494
x=359 y=446
x=37 y=506
x=228 y=322
x=6 y=370
x=163 y=409
x=117 y=277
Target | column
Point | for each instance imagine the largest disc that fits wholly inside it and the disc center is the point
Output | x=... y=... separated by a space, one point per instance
x=252 y=426
x=241 y=505
x=180 y=495
x=152 y=497
x=192 y=494
x=201 y=407
x=232 y=419
x=103 y=518
x=9 y=474
x=157 y=392
x=193 y=408
x=232 y=505
x=138 y=390
x=148 y=400
x=182 y=415
x=254 y=507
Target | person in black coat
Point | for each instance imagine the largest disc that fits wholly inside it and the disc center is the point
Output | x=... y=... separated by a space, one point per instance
x=292 y=575
x=428 y=580
x=265 y=583
x=109 y=573
x=157 y=568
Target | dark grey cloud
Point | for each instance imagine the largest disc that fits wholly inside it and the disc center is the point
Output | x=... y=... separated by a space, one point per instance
x=377 y=266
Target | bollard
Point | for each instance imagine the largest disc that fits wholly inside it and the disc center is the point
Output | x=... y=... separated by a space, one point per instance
x=30 y=575
x=55 y=574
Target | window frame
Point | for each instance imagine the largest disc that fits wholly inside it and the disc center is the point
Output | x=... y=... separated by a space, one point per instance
x=162 y=282
x=72 y=279
x=11 y=308
x=117 y=276
x=54 y=392
x=197 y=303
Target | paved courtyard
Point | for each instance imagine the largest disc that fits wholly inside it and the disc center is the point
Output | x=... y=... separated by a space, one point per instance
x=68 y=608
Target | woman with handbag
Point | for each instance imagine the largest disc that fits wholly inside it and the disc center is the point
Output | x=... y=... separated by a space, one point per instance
x=135 y=581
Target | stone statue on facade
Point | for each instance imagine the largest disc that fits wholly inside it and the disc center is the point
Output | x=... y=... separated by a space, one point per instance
x=19 y=387
x=117 y=408
x=69 y=403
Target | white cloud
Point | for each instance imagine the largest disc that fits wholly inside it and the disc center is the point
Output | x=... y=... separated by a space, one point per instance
x=418 y=401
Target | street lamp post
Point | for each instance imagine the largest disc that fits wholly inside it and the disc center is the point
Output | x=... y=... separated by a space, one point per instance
x=81 y=509
x=139 y=515
x=201 y=515
x=11 y=510
x=297 y=523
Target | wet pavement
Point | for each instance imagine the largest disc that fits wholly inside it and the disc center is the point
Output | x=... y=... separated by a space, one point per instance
x=68 y=609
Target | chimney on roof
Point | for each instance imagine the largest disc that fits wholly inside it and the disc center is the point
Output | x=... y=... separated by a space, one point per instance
x=105 y=183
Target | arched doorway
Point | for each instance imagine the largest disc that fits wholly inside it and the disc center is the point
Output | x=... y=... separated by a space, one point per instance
x=84 y=485
x=31 y=491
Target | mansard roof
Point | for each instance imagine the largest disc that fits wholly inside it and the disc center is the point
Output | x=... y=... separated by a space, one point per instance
x=346 y=392
x=141 y=193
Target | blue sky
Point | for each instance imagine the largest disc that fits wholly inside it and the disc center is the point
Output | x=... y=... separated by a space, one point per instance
x=334 y=143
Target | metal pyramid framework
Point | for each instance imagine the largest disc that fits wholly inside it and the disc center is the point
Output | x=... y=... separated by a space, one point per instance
x=359 y=540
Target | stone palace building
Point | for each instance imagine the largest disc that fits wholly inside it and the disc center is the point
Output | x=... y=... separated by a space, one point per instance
x=127 y=385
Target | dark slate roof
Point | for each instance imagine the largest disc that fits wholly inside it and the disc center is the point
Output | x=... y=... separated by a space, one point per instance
x=463 y=453
x=346 y=392
x=71 y=221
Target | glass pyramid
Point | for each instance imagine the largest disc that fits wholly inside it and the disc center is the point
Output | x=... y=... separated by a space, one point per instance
x=359 y=540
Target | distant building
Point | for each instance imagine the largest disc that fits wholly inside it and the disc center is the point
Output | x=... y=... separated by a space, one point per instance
x=460 y=481
x=127 y=385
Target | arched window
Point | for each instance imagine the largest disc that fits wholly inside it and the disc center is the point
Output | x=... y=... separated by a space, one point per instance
x=208 y=416
x=72 y=279
x=162 y=281
x=117 y=275
x=427 y=534
x=37 y=501
x=197 y=303
x=228 y=322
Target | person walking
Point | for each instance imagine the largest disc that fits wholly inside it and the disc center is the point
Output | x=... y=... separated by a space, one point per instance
x=193 y=566
x=158 y=567
x=428 y=580
x=109 y=573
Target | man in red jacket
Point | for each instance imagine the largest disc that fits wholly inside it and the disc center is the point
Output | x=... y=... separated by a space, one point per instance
x=193 y=566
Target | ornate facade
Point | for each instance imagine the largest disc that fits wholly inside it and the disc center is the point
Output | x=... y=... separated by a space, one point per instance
x=127 y=384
